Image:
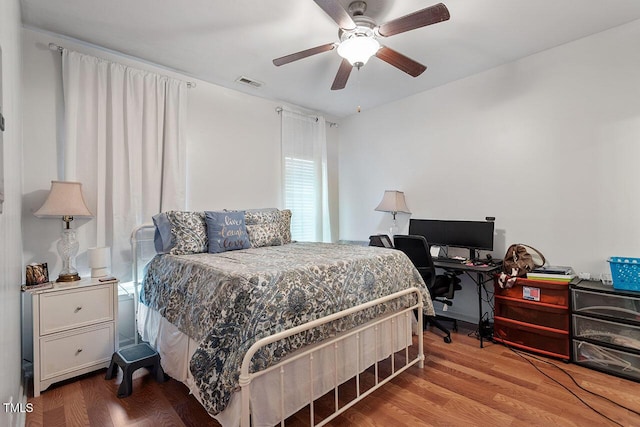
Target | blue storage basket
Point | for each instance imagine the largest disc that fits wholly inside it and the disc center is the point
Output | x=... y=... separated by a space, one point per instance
x=625 y=273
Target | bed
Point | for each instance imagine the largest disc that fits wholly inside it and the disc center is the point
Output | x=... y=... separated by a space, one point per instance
x=258 y=333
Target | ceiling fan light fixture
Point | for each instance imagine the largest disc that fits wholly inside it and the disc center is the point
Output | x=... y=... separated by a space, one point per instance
x=358 y=49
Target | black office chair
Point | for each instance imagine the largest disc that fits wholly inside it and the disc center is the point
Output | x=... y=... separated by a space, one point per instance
x=442 y=287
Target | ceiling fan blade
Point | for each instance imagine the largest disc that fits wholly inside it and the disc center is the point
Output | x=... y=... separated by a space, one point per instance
x=342 y=76
x=303 y=54
x=337 y=13
x=430 y=15
x=400 y=61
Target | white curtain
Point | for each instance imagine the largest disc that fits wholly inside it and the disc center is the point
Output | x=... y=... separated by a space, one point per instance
x=125 y=142
x=305 y=181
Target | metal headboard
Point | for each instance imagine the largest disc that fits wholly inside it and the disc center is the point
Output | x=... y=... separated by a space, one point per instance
x=139 y=235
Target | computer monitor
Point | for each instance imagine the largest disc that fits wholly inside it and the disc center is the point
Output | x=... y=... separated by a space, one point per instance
x=473 y=235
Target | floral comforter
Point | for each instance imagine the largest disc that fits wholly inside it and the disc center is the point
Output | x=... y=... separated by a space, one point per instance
x=228 y=301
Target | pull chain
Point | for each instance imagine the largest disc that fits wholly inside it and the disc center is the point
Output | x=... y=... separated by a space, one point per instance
x=358 y=109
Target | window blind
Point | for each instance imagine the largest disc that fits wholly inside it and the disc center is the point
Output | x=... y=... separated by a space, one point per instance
x=301 y=197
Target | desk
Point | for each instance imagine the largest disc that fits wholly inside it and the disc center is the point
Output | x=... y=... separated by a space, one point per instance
x=478 y=278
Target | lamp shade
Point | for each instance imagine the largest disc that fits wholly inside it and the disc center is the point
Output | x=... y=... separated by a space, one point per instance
x=64 y=199
x=393 y=201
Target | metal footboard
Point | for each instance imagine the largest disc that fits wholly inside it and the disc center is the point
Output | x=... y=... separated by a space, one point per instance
x=246 y=377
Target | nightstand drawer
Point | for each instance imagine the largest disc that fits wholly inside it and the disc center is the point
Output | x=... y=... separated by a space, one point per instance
x=75 y=350
x=60 y=311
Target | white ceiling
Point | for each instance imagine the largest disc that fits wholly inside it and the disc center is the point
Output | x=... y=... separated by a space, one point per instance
x=218 y=41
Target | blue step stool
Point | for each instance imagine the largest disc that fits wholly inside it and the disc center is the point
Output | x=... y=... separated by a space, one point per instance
x=130 y=359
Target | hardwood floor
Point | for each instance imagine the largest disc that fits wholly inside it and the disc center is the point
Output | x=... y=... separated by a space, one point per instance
x=461 y=385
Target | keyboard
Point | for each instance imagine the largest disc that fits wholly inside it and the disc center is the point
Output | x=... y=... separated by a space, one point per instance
x=449 y=260
x=484 y=262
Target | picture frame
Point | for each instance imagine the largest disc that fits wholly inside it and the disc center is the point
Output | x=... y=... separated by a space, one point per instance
x=37 y=274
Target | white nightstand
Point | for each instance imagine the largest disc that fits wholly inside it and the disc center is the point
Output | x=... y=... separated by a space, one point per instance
x=74 y=330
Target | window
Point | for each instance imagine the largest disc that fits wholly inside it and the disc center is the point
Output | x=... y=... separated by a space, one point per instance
x=300 y=196
x=305 y=176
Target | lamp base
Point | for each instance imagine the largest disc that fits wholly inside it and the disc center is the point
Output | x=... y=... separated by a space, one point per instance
x=68 y=277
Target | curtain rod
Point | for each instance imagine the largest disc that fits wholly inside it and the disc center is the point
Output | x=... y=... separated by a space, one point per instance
x=331 y=124
x=53 y=46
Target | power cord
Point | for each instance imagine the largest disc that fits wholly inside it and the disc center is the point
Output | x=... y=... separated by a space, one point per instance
x=488 y=296
x=527 y=357
x=484 y=329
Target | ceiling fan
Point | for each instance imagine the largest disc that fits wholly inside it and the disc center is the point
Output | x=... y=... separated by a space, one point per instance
x=359 y=36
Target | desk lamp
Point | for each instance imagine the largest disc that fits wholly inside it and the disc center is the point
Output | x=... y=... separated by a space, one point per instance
x=393 y=201
x=65 y=200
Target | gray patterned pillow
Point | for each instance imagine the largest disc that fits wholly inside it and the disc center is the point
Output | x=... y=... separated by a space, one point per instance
x=261 y=216
x=266 y=234
x=285 y=226
x=189 y=232
x=270 y=227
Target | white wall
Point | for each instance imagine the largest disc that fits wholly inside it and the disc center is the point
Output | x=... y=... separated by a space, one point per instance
x=10 y=239
x=233 y=148
x=233 y=152
x=549 y=145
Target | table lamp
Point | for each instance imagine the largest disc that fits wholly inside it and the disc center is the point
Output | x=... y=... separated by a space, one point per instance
x=393 y=202
x=65 y=201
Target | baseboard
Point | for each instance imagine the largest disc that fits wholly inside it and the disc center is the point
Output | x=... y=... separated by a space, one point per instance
x=19 y=418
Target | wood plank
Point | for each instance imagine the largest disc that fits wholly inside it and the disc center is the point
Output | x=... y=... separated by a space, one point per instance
x=461 y=384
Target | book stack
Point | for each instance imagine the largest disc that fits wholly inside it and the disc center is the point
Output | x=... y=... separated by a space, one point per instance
x=553 y=273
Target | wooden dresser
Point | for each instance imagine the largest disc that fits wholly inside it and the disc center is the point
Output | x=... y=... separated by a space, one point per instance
x=534 y=316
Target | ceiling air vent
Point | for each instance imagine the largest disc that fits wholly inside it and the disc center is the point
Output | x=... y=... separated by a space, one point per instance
x=249 y=82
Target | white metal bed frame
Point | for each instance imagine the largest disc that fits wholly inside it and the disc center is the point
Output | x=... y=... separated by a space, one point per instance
x=246 y=377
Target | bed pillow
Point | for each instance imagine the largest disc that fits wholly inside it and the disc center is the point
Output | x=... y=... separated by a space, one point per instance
x=284 y=221
x=268 y=227
x=265 y=234
x=188 y=232
x=226 y=231
x=261 y=216
x=162 y=238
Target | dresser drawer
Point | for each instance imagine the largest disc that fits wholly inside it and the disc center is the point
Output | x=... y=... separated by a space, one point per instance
x=539 y=339
x=66 y=352
x=60 y=311
x=554 y=293
x=615 y=307
x=606 y=332
x=548 y=315
x=616 y=362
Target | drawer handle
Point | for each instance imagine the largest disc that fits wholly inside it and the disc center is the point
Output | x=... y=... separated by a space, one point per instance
x=78 y=351
x=78 y=308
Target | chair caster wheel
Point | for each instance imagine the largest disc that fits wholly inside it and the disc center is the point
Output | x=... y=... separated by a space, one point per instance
x=447 y=339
